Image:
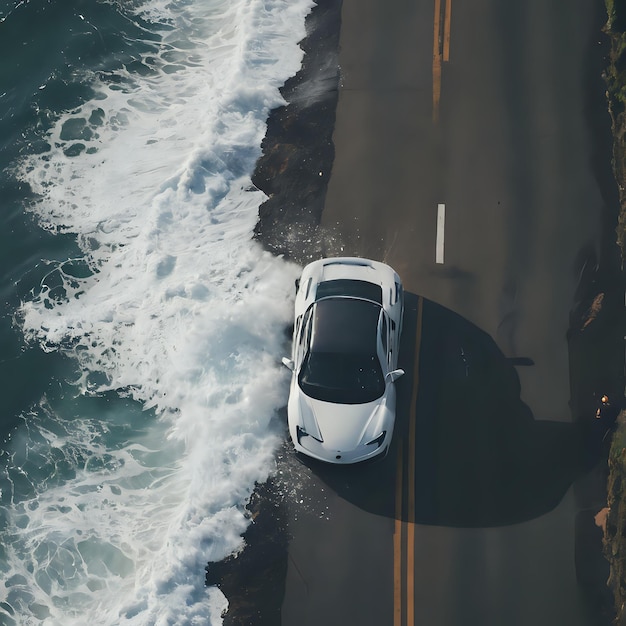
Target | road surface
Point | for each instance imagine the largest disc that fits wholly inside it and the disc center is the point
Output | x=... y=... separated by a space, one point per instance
x=468 y=156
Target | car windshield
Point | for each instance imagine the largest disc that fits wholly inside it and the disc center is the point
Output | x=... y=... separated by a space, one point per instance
x=342 y=378
x=341 y=365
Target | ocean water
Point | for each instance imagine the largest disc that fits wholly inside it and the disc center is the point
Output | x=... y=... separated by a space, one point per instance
x=142 y=326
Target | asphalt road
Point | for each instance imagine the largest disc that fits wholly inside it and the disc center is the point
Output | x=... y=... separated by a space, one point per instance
x=471 y=155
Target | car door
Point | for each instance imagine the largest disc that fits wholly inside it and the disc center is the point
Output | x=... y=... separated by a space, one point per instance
x=302 y=340
x=385 y=342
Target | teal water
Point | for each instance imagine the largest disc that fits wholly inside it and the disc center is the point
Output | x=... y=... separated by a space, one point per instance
x=141 y=327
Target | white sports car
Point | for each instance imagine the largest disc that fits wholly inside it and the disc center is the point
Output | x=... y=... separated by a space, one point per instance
x=346 y=338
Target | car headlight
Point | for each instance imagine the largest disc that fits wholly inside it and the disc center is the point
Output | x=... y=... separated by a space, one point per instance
x=301 y=433
x=307 y=423
x=378 y=441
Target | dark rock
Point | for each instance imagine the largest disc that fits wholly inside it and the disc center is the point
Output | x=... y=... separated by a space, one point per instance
x=253 y=580
x=298 y=149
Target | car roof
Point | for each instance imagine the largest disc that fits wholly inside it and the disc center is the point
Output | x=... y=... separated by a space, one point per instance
x=345 y=325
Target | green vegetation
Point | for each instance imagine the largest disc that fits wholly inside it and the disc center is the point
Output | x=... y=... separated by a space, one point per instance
x=616 y=72
x=616 y=93
x=615 y=533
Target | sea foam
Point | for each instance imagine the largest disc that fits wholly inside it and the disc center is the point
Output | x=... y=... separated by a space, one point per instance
x=171 y=307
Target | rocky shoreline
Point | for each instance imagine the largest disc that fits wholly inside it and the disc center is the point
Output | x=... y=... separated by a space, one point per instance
x=293 y=172
x=298 y=148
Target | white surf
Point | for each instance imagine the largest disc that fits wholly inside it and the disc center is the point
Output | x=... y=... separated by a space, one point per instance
x=180 y=311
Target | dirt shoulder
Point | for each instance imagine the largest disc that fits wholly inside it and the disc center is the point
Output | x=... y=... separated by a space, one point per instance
x=615 y=525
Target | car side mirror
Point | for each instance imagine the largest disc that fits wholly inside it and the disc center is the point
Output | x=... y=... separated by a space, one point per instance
x=394 y=375
x=288 y=363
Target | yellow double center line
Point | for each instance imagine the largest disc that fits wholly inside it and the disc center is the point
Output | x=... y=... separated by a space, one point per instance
x=404 y=531
x=441 y=48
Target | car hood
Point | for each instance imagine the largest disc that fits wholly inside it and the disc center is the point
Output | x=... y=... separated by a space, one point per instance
x=342 y=426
